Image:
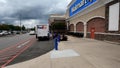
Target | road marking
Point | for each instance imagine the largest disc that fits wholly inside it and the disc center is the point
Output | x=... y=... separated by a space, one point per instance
x=13 y=46
x=23 y=44
x=25 y=48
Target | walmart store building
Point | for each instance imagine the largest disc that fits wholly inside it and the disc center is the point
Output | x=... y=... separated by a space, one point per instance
x=102 y=15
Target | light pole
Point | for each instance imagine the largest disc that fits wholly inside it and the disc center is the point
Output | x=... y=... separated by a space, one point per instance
x=20 y=23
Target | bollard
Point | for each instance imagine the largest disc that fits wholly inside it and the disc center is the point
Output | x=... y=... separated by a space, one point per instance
x=56 y=44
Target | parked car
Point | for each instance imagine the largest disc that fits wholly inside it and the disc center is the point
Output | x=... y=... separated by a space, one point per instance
x=15 y=32
x=18 y=32
x=24 y=32
x=32 y=32
x=1 y=33
x=9 y=32
x=4 y=33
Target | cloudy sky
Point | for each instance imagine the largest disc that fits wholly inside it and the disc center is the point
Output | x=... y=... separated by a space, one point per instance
x=31 y=12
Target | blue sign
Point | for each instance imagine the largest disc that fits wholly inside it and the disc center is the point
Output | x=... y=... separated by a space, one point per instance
x=79 y=5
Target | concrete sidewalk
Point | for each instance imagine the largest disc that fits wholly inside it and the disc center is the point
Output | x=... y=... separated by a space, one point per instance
x=89 y=54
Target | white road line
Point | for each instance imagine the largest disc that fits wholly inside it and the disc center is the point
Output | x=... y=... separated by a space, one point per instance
x=23 y=44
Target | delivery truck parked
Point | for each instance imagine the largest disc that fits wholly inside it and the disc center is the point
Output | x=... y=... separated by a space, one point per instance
x=42 y=31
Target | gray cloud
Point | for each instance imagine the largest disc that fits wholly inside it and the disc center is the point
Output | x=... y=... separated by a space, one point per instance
x=30 y=9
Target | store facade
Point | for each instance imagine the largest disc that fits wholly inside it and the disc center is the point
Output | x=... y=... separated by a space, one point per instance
x=101 y=15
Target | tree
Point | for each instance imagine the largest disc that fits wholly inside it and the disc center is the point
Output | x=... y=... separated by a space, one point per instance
x=23 y=27
x=32 y=28
x=12 y=27
x=0 y=27
x=5 y=27
x=18 y=28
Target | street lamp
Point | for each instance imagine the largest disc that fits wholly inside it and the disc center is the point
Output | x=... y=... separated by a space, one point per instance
x=20 y=23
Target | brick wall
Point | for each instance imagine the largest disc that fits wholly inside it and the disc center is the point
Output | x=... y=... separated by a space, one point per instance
x=71 y=27
x=97 y=23
x=79 y=27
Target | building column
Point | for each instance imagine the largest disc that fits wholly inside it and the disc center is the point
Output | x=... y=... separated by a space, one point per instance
x=85 y=30
x=74 y=27
x=68 y=24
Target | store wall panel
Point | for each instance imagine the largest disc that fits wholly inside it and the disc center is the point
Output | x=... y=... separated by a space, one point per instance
x=116 y=27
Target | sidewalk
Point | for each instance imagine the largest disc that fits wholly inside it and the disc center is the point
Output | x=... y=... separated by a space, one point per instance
x=89 y=54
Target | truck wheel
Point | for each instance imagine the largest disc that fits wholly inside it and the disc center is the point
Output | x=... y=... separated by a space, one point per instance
x=36 y=36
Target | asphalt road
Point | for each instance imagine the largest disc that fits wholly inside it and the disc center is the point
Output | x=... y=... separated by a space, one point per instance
x=8 y=41
x=21 y=48
x=37 y=49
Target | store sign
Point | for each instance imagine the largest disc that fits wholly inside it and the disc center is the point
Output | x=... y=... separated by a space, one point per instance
x=80 y=5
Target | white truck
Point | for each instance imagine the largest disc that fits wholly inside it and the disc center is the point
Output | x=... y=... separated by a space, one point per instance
x=42 y=32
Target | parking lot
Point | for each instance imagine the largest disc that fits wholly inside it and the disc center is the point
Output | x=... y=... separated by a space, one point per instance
x=22 y=46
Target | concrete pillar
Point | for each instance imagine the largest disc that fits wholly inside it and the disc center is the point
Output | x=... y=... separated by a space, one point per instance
x=85 y=30
x=74 y=27
x=68 y=24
